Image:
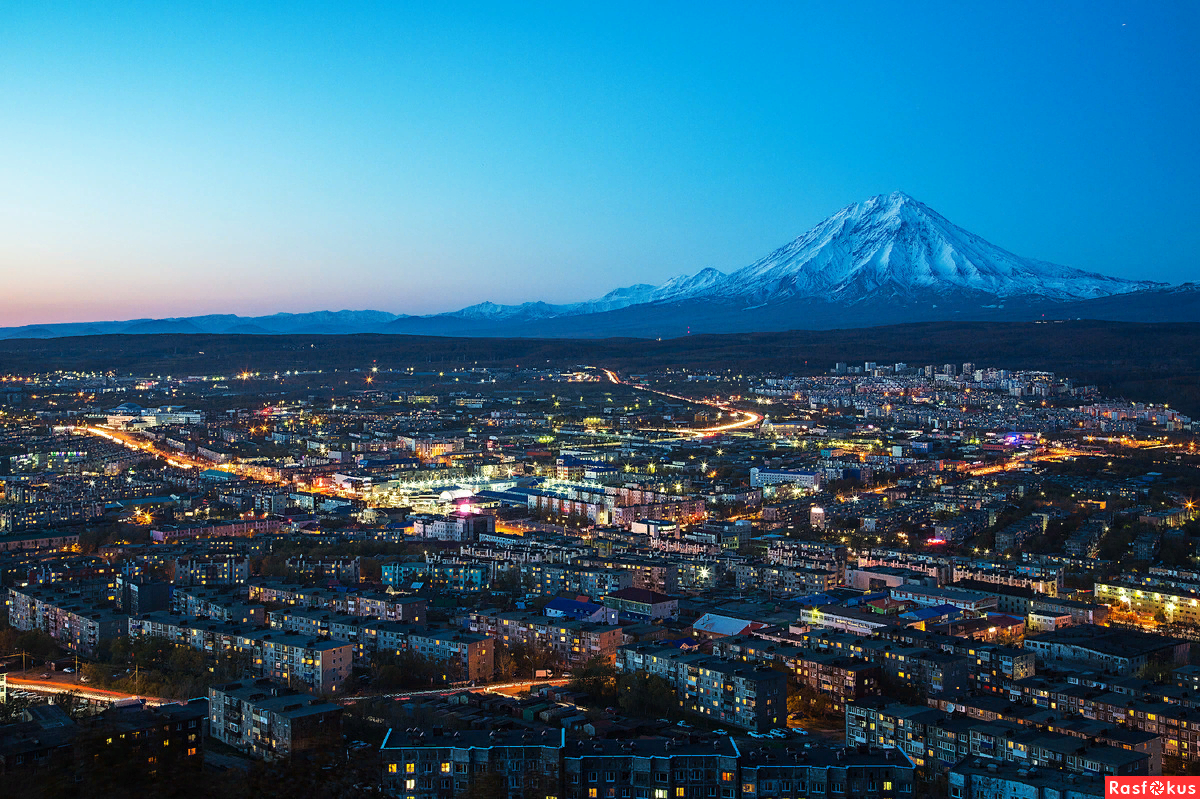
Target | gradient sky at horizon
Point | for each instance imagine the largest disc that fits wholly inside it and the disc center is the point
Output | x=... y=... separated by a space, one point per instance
x=181 y=159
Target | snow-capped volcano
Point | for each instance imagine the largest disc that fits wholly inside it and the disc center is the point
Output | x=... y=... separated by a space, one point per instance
x=888 y=260
x=890 y=247
x=893 y=246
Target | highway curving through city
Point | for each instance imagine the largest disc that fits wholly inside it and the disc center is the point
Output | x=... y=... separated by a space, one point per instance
x=749 y=418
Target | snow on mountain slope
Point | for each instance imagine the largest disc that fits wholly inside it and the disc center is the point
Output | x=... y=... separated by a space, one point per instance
x=613 y=300
x=887 y=253
x=894 y=246
x=888 y=247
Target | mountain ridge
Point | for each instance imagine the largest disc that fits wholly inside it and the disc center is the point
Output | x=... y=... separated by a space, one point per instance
x=889 y=259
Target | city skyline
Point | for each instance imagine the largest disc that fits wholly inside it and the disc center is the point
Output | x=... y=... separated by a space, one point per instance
x=171 y=163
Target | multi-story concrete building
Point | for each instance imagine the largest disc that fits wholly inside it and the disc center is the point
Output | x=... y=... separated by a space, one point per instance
x=799 y=770
x=438 y=764
x=809 y=480
x=435 y=764
x=48 y=539
x=972 y=778
x=784 y=580
x=651 y=574
x=25 y=516
x=461 y=526
x=640 y=605
x=322 y=665
x=387 y=607
x=466 y=656
x=1170 y=600
x=344 y=570
x=446 y=575
x=935 y=740
x=270 y=721
x=572 y=642
x=141 y=596
x=975 y=601
x=1108 y=649
x=721 y=691
x=320 y=624
x=559 y=578
x=650 y=767
x=75 y=624
x=212 y=570
x=223 y=603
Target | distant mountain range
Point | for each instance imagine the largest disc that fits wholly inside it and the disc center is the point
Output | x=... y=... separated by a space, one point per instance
x=888 y=260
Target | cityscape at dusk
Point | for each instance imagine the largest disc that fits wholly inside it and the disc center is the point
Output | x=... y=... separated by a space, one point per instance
x=535 y=401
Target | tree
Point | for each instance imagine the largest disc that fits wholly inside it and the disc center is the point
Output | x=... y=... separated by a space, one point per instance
x=503 y=663
x=646 y=695
x=72 y=703
x=370 y=570
x=11 y=710
x=597 y=678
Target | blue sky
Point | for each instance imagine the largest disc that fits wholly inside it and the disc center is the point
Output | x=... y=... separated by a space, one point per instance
x=416 y=158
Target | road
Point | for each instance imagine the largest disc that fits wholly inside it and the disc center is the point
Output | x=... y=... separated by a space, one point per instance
x=182 y=460
x=750 y=418
x=52 y=686
x=1020 y=461
x=59 y=683
x=508 y=689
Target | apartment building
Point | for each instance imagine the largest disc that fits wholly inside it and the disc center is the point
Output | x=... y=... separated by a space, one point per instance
x=650 y=574
x=552 y=579
x=796 y=770
x=25 y=516
x=443 y=575
x=640 y=605
x=725 y=692
x=323 y=665
x=471 y=655
x=1107 y=649
x=387 y=607
x=572 y=642
x=320 y=624
x=345 y=570
x=936 y=740
x=837 y=676
x=784 y=580
x=270 y=721
x=49 y=539
x=435 y=764
x=75 y=624
x=294 y=594
x=974 y=778
x=460 y=526
x=650 y=767
x=213 y=569
x=222 y=603
x=929 y=596
x=1176 y=602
